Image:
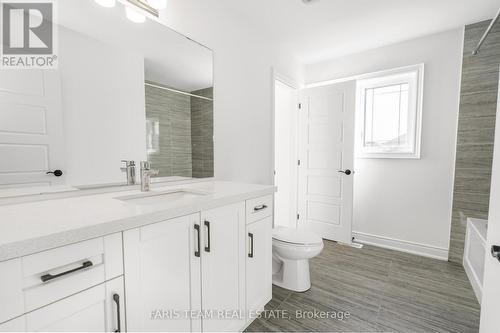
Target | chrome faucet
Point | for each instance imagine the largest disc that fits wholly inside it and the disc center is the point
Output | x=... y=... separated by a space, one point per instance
x=146 y=173
x=129 y=169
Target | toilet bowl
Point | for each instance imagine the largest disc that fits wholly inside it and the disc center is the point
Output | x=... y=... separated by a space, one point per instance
x=292 y=249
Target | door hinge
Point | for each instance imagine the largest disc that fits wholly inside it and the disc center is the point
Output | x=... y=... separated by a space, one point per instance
x=300 y=106
x=298 y=216
x=298 y=162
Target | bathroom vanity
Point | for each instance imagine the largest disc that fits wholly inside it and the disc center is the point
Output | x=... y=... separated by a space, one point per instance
x=81 y=247
x=188 y=257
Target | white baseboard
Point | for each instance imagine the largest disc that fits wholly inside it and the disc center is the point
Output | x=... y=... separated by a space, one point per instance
x=401 y=245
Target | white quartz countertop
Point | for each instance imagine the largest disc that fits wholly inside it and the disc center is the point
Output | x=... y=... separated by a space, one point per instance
x=31 y=227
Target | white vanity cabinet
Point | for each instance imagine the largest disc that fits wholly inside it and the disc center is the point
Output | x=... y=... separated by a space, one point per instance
x=78 y=287
x=259 y=265
x=223 y=269
x=179 y=269
x=258 y=261
x=202 y=272
x=162 y=275
x=98 y=309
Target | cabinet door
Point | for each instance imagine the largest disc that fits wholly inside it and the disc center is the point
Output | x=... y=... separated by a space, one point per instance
x=162 y=276
x=115 y=305
x=92 y=310
x=223 y=268
x=259 y=265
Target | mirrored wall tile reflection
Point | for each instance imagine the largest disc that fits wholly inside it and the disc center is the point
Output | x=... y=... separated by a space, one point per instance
x=179 y=131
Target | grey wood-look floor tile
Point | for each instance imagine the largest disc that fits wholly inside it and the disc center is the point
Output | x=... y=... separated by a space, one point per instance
x=383 y=290
x=279 y=295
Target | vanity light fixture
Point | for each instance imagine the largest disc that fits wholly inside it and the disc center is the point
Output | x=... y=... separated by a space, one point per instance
x=106 y=3
x=134 y=8
x=134 y=15
x=158 y=4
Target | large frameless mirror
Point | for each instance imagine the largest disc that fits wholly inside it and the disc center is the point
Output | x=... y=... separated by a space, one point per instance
x=121 y=91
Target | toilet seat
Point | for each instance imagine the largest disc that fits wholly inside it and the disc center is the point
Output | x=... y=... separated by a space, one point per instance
x=296 y=236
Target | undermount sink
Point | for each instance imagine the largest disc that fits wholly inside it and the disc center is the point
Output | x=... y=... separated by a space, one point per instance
x=156 y=197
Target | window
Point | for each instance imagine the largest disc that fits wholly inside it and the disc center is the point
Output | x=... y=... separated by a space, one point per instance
x=388 y=114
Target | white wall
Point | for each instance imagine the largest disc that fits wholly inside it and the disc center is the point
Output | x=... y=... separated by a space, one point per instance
x=100 y=135
x=406 y=204
x=244 y=58
x=103 y=107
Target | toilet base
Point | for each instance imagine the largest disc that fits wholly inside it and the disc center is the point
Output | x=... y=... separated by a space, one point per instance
x=293 y=275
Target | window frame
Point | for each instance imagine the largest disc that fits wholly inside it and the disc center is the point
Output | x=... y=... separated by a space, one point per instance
x=414 y=77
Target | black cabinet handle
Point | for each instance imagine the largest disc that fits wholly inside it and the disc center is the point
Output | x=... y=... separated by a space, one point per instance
x=116 y=298
x=495 y=251
x=250 y=255
x=261 y=207
x=48 y=277
x=207 y=247
x=57 y=173
x=197 y=251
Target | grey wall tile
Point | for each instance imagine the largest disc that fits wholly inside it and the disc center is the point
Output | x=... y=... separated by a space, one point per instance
x=173 y=111
x=476 y=129
x=202 y=133
x=478 y=104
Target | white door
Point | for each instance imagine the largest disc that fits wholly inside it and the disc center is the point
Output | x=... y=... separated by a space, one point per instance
x=162 y=276
x=326 y=154
x=259 y=265
x=31 y=128
x=490 y=305
x=97 y=309
x=285 y=154
x=223 y=268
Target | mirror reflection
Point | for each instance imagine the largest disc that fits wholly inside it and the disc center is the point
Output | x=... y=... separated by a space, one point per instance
x=116 y=95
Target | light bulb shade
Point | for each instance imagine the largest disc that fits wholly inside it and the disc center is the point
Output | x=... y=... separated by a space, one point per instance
x=106 y=3
x=158 y=4
x=134 y=15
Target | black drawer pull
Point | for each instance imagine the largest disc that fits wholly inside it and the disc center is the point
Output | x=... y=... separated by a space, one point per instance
x=207 y=247
x=261 y=207
x=197 y=251
x=250 y=255
x=48 y=277
x=116 y=298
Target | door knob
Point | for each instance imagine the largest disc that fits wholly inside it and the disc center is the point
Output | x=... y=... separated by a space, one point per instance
x=346 y=172
x=495 y=251
x=57 y=173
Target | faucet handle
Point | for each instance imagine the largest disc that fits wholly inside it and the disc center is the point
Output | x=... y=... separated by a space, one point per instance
x=128 y=163
x=146 y=165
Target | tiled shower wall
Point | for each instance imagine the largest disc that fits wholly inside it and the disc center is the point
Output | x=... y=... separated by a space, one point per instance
x=476 y=128
x=202 y=132
x=173 y=112
x=185 y=141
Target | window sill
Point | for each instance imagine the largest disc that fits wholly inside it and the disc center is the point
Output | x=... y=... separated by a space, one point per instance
x=409 y=156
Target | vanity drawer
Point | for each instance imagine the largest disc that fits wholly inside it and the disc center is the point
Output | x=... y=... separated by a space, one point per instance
x=259 y=208
x=54 y=274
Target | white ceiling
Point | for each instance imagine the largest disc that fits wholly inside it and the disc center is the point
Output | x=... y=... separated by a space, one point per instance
x=332 y=28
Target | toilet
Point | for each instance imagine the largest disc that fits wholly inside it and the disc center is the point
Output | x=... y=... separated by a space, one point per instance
x=292 y=249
